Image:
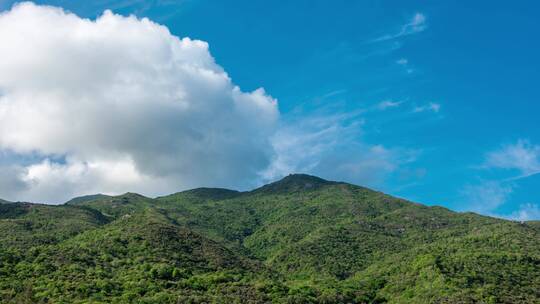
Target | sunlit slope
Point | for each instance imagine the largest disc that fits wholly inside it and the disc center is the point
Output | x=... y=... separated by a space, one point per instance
x=299 y=240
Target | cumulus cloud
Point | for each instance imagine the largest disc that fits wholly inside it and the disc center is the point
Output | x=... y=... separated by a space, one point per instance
x=125 y=105
x=11 y=180
x=120 y=104
x=522 y=156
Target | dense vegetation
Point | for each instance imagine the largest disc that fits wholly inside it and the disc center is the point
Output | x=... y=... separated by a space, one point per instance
x=299 y=240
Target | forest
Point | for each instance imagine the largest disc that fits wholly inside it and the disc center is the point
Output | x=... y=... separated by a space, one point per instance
x=299 y=240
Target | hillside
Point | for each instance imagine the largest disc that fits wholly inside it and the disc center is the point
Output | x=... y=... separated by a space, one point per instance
x=25 y=225
x=86 y=198
x=299 y=240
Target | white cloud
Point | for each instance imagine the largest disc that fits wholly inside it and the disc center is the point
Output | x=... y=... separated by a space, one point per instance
x=368 y=165
x=301 y=144
x=486 y=196
x=49 y=181
x=11 y=181
x=329 y=146
x=119 y=104
x=432 y=106
x=522 y=156
x=415 y=25
x=386 y=104
x=402 y=61
x=526 y=212
x=126 y=104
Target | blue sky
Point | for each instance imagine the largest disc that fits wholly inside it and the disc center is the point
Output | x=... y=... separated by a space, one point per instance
x=433 y=101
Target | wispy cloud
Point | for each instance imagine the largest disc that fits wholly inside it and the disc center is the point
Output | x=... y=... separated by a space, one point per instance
x=526 y=212
x=432 y=106
x=333 y=93
x=415 y=25
x=521 y=156
x=402 y=61
x=321 y=132
x=386 y=104
x=309 y=141
x=486 y=196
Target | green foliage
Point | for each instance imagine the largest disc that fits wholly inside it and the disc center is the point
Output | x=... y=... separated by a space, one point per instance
x=24 y=225
x=299 y=240
x=87 y=198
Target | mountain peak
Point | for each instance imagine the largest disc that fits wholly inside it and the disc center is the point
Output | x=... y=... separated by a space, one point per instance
x=296 y=182
x=132 y=195
x=86 y=198
x=102 y=197
x=303 y=178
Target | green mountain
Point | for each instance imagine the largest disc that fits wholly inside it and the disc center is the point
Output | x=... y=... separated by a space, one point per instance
x=299 y=240
x=86 y=198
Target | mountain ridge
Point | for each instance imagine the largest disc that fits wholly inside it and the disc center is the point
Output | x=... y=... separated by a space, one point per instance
x=293 y=181
x=301 y=239
x=86 y=198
